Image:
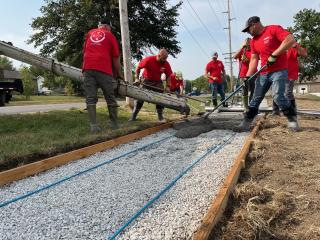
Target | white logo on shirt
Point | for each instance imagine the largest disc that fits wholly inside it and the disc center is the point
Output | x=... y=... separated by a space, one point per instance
x=97 y=36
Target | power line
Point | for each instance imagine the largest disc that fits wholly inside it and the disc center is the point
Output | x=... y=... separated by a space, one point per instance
x=214 y=12
x=204 y=25
x=196 y=41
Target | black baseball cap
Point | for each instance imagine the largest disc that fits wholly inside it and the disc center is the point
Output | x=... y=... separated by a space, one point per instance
x=249 y=22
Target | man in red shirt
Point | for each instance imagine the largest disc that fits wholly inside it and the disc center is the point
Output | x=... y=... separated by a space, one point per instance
x=156 y=75
x=293 y=72
x=176 y=83
x=269 y=44
x=216 y=74
x=243 y=55
x=100 y=57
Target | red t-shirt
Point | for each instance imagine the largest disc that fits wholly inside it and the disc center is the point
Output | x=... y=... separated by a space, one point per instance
x=266 y=43
x=244 y=65
x=153 y=68
x=175 y=83
x=293 y=64
x=99 y=48
x=215 y=69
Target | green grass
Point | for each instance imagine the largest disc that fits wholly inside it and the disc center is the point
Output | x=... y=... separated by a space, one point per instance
x=308 y=97
x=19 y=100
x=31 y=137
x=27 y=138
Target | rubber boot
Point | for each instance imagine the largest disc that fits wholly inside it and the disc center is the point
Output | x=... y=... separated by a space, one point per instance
x=275 y=109
x=293 y=104
x=135 y=111
x=160 y=115
x=113 y=114
x=94 y=126
x=245 y=125
x=214 y=102
x=225 y=104
x=245 y=102
x=291 y=115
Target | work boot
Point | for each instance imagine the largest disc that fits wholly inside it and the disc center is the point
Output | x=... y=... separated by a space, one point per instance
x=293 y=123
x=275 y=109
x=94 y=126
x=214 y=102
x=245 y=103
x=225 y=104
x=245 y=125
x=137 y=106
x=291 y=115
x=293 y=104
x=160 y=115
x=113 y=114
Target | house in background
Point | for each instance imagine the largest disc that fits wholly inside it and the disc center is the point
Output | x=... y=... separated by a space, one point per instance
x=41 y=89
x=307 y=87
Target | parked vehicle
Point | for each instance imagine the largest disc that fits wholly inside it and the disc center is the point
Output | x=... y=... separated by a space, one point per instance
x=9 y=82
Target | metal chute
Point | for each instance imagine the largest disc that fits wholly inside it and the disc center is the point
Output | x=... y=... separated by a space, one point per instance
x=124 y=89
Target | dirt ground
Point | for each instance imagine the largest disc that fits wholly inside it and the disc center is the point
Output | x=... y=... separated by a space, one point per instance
x=278 y=194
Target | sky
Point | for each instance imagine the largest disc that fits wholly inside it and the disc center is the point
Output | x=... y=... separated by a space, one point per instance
x=200 y=32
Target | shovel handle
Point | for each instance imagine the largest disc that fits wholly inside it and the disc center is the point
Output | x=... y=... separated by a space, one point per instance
x=233 y=93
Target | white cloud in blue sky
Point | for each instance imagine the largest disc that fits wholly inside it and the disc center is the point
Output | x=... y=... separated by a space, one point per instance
x=16 y=17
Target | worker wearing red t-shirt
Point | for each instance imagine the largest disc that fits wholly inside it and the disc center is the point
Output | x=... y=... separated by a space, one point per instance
x=156 y=75
x=269 y=43
x=215 y=73
x=100 y=57
x=293 y=72
x=243 y=55
x=176 y=83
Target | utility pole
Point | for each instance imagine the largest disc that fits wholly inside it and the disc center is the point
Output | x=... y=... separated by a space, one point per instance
x=126 y=50
x=230 y=46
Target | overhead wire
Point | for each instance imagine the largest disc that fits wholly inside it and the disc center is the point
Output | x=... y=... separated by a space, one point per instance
x=214 y=13
x=205 y=27
x=196 y=41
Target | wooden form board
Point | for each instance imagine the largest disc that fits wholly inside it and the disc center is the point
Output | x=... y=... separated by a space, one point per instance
x=43 y=165
x=219 y=204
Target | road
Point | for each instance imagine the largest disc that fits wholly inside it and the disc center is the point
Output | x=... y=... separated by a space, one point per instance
x=42 y=108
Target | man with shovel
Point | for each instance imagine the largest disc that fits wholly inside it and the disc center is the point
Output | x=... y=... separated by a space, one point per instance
x=269 y=44
x=216 y=74
x=156 y=75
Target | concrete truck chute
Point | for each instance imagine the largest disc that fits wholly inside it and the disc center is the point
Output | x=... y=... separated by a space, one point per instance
x=123 y=88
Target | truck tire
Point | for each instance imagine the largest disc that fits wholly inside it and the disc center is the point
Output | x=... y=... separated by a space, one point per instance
x=2 y=99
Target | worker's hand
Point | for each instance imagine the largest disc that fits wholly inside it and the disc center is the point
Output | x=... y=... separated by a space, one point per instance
x=246 y=79
x=271 y=60
x=137 y=82
x=244 y=58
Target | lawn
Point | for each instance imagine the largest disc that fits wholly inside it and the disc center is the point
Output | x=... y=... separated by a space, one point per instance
x=31 y=137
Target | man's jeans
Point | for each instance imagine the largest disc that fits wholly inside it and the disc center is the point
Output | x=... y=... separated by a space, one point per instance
x=217 y=88
x=276 y=80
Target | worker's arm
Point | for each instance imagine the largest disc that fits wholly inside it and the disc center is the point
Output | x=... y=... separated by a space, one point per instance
x=301 y=51
x=287 y=43
x=253 y=64
x=138 y=69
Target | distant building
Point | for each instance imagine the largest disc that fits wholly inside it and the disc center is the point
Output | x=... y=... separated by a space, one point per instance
x=307 y=87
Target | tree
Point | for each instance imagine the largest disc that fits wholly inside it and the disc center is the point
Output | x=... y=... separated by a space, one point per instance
x=28 y=83
x=6 y=64
x=69 y=88
x=306 y=30
x=62 y=28
x=201 y=83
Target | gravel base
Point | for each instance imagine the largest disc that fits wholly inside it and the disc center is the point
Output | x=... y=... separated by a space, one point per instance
x=94 y=205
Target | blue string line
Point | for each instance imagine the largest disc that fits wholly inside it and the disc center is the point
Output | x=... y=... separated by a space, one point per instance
x=5 y=203
x=213 y=149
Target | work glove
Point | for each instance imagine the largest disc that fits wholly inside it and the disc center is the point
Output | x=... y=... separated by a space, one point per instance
x=244 y=58
x=271 y=60
x=246 y=79
x=137 y=82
